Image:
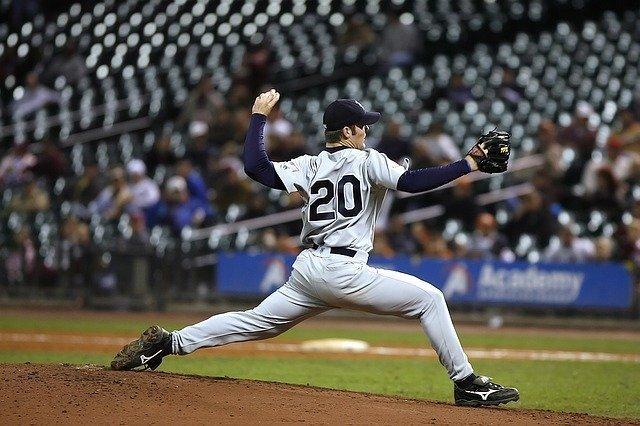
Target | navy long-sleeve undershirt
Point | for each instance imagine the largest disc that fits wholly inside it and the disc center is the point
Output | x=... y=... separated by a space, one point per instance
x=256 y=161
x=421 y=180
x=258 y=166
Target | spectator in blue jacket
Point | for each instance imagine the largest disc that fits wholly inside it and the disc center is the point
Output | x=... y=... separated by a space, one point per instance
x=184 y=209
x=195 y=183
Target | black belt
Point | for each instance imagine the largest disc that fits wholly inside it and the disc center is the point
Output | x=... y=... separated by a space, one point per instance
x=345 y=251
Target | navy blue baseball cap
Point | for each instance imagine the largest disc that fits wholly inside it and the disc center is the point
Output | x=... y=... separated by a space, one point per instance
x=345 y=112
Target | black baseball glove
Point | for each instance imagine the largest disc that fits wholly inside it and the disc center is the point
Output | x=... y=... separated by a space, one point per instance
x=491 y=152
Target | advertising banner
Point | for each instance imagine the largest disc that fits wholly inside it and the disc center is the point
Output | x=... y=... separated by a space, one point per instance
x=586 y=285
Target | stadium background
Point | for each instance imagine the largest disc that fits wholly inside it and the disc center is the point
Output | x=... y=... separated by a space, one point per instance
x=121 y=130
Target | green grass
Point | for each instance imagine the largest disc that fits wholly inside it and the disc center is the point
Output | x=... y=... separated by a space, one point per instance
x=599 y=388
x=477 y=339
x=606 y=389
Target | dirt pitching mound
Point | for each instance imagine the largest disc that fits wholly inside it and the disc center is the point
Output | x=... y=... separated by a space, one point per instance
x=70 y=394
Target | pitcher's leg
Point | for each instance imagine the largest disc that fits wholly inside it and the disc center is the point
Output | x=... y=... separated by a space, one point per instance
x=394 y=293
x=276 y=314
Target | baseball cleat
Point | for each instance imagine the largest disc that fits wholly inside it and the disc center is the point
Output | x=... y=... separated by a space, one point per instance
x=146 y=352
x=482 y=391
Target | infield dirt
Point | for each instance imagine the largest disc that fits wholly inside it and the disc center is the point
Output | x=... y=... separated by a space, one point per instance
x=71 y=394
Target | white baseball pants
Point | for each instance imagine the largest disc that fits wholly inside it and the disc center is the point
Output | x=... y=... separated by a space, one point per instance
x=321 y=281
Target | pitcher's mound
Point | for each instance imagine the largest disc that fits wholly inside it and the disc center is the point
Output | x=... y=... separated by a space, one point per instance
x=71 y=394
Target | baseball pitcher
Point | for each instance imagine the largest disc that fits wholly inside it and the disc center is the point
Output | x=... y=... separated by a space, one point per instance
x=343 y=188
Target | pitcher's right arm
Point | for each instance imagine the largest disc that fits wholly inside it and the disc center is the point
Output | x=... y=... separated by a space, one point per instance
x=256 y=161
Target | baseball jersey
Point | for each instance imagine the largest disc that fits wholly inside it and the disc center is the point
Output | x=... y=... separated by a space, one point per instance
x=343 y=191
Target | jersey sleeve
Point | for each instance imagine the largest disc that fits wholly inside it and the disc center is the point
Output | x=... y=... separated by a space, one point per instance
x=293 y=173
x=382 y=171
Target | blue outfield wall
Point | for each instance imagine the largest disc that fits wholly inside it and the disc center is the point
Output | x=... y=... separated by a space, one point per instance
x=591 y=285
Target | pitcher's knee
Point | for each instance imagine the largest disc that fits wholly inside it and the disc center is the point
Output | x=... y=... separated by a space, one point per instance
x=438 y=295
x=434 y=300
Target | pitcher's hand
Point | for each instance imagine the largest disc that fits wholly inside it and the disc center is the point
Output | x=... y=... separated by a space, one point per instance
x=265 y=102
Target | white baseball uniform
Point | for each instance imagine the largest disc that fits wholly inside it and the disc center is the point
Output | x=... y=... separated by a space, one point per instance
x=343 y=191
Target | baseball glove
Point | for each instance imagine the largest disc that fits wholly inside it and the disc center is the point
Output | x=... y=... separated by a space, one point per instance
x=491 y=152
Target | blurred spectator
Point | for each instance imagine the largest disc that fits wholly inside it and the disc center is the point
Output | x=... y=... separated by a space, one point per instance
x=74 y=231
x=51 y=162
x=139 y=238
x=160 y=154
x=627 y=238
x=628 y=130
x=547 y=133
x=223 y=128
x=429 y=243
x=239 y=96
x=30 y=200
x=422 y=236
x=273 y=240
x=438 y=249
x=581 y=138
x=555 y=194
x=435 y=147
x=268 y=240
x=288 y=244
x=604 y=249
x=106 y=279
x=486 y=242
x=115 y=199
x=284 y=149
x=145 y=193
x=241 y=116
x=381 y=245
x=399 y=43
x=461 y=204
x=14 y=167
x=87 y=187
x=509 y=90
x=232 y=187
x=399 y=236
x=255 y=70
x=75 y=254
x=568 y=248
x=185 y=209
x=460 y=247
x=35 y=97
x=621 y=162
x=278 y=129
x=578 y=133
x=69 y=64
x=459 y=93
x=228 y=158
x=549 y=146
x=202 y=104
x=607 y=193
x=21 y=264
x=258 y=206
x=356 y=34
x=393 y=143
x=198 y=147
x=195 y=183
x=533 y=217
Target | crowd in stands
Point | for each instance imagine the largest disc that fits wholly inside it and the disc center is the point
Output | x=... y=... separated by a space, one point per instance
x=584 y=204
